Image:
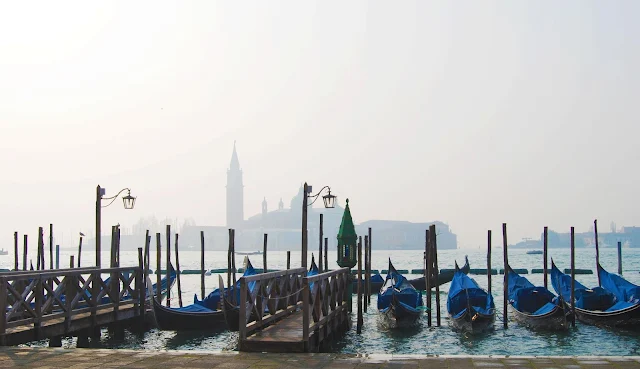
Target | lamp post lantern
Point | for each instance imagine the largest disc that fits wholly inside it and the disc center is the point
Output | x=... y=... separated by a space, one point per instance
x=128 y=202
x=329 y=202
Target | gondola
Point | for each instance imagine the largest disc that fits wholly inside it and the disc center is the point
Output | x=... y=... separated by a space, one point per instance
x=536 y=307
x=191 y=317
x=444 y=276
x=471 y=309
x=201 y=315
x=600 y=306
x=399 y=303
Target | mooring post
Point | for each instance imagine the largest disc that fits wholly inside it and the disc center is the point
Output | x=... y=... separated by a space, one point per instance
x=489 y=262
x=264 y=254
x=15 y=250
x=326 y=254
x=50 y=246
x=619 y=257
x=140 y=282
x=39 y=255
x=168 y=235
x=58 y=257
x=545 y=255
x=147 y=261
x=202 y=265
x=359 y=287
x=24 y=253
x=233 y=255
x=159 y=268
x=229 y=285
x=573 y=277
x=434 y=257
x=79 y=251
x=364 y=280
x=427 y=274
x=178 y=272
x=505 y=289
x=370 y=257
x=320 y=269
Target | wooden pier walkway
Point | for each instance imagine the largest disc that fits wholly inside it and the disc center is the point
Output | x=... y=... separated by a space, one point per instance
x=288 y=311
x=36 y=305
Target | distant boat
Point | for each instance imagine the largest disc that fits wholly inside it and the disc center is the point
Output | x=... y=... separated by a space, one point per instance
x=534 y=252
x=250 y=253
x=4 y=252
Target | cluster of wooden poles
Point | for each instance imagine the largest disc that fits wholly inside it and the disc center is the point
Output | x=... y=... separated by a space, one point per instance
x=40 y=263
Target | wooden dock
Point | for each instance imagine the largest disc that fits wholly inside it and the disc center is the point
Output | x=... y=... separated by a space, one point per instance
x=36 y=305
x=300 y=313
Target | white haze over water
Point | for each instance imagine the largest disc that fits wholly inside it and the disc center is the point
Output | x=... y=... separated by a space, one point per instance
x=472 y=113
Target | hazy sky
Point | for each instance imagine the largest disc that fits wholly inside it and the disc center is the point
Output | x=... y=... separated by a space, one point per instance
x=470 y=112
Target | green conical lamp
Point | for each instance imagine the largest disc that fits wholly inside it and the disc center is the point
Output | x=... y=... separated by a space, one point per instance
x=347 y=239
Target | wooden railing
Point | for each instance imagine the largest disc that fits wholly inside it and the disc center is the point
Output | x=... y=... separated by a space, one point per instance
x=273 y=296
x=34 y=298
x=324 y=297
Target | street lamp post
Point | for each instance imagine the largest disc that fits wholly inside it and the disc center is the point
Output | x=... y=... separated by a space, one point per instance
x=329 y=203
x=128 y=200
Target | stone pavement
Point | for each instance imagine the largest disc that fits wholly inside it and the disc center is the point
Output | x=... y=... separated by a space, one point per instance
x=12 y=357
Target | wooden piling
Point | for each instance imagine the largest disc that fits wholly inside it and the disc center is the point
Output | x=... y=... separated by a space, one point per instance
x=288 y=260
x=619 y=258
x=168 y=236
x=364 y=280
x=370 y=257
x=50 y=246
x=573 y=277
x=146 y=266
x=427 y=274
x=229 y=265
x=178 y=272
x=264 y=254
x=71 y=261
x=58 y=257
x=595 y=230
x=39 y=256
x=202 y=265
x=80 y=251
x=141 y=280
x=112 y=254
x=158 y=266
x=326 y=254
x=15 y=250
x=118 y=246
x=24 y=252
x=320 y=269
x=367 y=274
x=489 y=262
x=545 y=255
x=359 y=287
x=233 y=255
x=434 y=257
x=505 y=289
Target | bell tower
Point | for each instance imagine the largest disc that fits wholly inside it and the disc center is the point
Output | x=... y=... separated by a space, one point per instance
x=235 y=192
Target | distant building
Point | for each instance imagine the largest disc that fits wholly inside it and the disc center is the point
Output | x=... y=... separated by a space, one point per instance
x=235 y=192
x=283 y=224
x=629 y=237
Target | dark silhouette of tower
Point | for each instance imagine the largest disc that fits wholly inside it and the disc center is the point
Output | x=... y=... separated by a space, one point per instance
x=235 y=192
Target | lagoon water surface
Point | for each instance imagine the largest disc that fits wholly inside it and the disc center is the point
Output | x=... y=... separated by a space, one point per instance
x=516 y=340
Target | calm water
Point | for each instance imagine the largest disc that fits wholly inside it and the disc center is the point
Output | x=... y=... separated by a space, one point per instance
x=582 y=340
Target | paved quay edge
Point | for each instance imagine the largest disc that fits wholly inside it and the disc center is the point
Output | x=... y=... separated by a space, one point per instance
x=123 y=358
